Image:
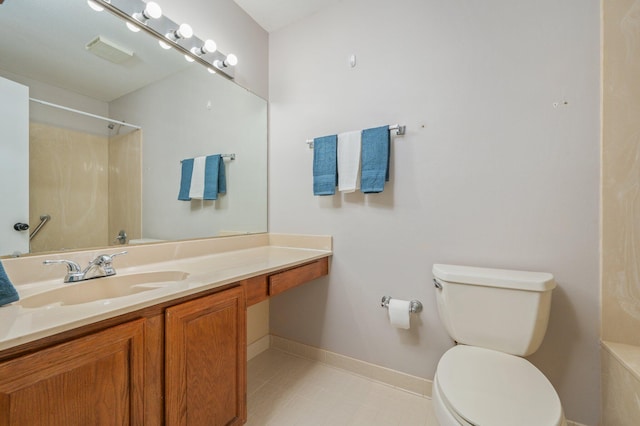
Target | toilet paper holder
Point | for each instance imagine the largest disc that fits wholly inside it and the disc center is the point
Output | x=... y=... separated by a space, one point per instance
x=415 y=306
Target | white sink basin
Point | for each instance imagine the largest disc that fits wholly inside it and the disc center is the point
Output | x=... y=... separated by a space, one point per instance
x=104 y=288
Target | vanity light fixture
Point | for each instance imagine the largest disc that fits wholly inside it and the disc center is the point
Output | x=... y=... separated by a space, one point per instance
x=151 y=11
x=146 y=16
x=95 y=6
x=230 y=61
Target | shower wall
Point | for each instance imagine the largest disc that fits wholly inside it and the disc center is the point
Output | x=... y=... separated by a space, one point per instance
x=621 y=213
x=68 y=179
x=88 y=184
x=125 y=185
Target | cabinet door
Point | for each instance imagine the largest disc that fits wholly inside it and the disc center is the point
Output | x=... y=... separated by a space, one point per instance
x=93 y=380
x=205 y=364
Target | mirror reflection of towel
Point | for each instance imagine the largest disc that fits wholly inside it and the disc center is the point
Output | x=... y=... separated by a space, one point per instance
x=197 y=179
x=202 y=178
x=185 y=179
x=215 y=180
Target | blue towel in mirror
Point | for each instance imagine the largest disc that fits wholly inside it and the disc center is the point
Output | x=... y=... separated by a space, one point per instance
x=215 y=180
x=8 y=292
x=375 y=159
x=185 y=180
x=325 y=165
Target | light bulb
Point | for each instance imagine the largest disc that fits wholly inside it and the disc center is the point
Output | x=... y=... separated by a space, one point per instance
x=164 y=45
x=188 y=58
x=209 y=46
x=133 y=27
x=231 y=60
x=152 y=10
x=211 y=70
x=184 y=31
x=95 y=6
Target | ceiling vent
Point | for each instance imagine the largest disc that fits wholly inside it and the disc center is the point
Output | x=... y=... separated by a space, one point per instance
x=108 y=50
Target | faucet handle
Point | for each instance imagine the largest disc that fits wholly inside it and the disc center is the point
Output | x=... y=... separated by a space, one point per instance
x=111 y=256
x=104 y=260
x=72 y=267
x=74 y=273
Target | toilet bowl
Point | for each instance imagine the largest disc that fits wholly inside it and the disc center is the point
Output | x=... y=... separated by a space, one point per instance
x=496 y=317
x=477 y=386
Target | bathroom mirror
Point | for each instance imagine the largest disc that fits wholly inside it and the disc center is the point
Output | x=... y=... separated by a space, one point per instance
x=95 y=178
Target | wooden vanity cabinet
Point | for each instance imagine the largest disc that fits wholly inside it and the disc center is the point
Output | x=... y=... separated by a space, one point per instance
x=115 y=376
x=93 y=380
x=205 y=361
x=264 y=286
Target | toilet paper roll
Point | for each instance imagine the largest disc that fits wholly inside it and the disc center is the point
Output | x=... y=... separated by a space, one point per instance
x=399 y=313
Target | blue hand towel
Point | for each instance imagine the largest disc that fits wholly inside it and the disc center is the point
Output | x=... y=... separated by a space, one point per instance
x=325 y=165
x=215 y=180
x=8 y=292
x=185 y=180
x=375 y=159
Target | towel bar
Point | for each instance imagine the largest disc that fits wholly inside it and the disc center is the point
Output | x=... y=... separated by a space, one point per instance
x=400 y=130
x=229 y=156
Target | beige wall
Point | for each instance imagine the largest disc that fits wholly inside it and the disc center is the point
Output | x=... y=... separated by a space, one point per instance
x=68 y=179
x=257 y=321
x=125 y=185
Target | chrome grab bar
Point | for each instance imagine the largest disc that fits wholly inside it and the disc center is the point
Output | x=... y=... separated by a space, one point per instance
x=43 y=219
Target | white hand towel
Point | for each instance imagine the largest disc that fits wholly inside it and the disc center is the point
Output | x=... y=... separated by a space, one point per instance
x=349 y=144
x=197 y=178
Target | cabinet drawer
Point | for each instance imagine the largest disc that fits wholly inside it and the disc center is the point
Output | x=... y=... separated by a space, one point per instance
x=294 y=277
x=256 y=289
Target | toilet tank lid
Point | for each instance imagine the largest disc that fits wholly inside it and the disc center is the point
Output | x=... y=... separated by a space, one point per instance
x=517 y=280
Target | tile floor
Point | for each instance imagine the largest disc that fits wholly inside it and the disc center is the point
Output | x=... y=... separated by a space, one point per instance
x=283 y=390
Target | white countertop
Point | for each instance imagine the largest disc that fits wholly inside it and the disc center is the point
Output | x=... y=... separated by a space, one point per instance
x=19 y=324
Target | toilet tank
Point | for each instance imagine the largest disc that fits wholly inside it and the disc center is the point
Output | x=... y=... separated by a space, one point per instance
x=498 y=309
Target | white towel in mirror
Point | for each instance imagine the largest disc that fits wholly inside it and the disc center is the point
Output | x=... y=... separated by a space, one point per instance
x=197 y=178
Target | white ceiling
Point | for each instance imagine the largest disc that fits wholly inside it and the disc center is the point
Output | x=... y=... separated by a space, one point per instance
x=275 y=14
x=45 y=41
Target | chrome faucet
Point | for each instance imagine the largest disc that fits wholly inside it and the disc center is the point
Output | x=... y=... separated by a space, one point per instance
x=101 y=266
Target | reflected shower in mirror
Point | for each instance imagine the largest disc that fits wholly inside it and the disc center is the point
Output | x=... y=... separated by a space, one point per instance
x=96 y=178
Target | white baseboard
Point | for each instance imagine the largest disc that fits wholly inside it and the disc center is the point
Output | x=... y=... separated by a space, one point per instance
x=259 y=346
x=385 y=375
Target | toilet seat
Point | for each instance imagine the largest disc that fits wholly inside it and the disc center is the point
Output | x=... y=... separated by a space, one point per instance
x=486 y=387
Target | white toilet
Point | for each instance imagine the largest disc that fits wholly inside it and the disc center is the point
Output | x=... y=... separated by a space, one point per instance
x=496 y=316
